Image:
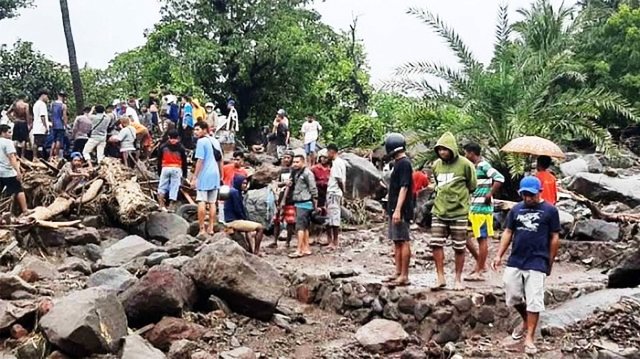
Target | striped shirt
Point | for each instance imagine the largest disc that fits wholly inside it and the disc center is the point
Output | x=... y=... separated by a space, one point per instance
x=486 y=175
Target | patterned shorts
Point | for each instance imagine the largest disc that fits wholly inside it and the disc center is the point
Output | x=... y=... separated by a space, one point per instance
x=334 y=209
x=441 y=229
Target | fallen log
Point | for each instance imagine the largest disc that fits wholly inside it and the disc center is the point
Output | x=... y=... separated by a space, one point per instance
x=597 y=213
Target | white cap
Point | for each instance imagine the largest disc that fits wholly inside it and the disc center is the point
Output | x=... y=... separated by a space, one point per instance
x=282 y=112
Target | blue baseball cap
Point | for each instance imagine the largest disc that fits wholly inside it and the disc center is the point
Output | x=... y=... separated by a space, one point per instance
x=75 y=155
x=530 y=184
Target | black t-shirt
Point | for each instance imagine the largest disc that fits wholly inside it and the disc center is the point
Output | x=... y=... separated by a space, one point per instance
x=401 y=176
x=281 y=134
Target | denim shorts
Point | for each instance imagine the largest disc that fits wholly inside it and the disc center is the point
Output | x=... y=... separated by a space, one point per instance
x=58 y=135
x=170 y=179
x=310 y=147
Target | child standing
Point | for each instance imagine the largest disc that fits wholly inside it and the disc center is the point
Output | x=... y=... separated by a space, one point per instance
x=172 y=167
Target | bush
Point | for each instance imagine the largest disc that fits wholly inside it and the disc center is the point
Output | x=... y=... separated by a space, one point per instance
x=362 y=131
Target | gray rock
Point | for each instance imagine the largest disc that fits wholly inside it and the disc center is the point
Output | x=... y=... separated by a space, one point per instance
x=463 y=304
x=361 y=316
x=92 y=221
x=377 y=306
x=176 y=262
x=363 y=178
x=449 y=332
x=116 y=279
x=597 y=230
x=485 y=315
x=422 y=309
x=42 y=269
x=615 y=207
x=9 y=284
x=126 y=250
x=163 y=291
x=10 y=313
x=164 y=226
x=80 y=236
x=112 y=234
x=86 y=322
x=382 y=336
x=238 y=353
x=373 y=206
x=182 y=349
x=391 y=312
x=185 y=245
x=74 y=264
x=442 y=315
x=90 y=252
x=249 y=284
x=566 y=221
x=627 y=273
x=135 y=347
x=156 y=258
x=407 y=304
x=599 y=187
x=413 y=353
x=573 y=167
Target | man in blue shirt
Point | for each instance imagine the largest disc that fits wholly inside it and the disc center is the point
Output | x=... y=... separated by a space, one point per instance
x=187 y=122
x=533 y=226
x=59 y=120
x=206 y=177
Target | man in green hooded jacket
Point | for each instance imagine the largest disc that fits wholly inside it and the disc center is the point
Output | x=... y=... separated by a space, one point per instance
x=455 y=181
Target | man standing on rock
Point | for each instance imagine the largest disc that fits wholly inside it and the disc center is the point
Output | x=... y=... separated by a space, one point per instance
x=311 y=130
x=335 y=193
x=533 y=226
x=455 y=179
x=481 y=214
x=206 y=177
x=400 y=207
x=305 y=198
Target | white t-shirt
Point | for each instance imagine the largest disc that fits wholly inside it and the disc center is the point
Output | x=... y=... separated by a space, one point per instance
x=286 y=122
x=311 y=130
x=6 y=148
x=40 y=109
x=338 y=172
x=132 y=114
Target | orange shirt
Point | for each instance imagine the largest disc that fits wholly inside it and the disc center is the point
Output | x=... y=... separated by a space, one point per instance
x=229 y=171
x=549 y=187
x=420 y=182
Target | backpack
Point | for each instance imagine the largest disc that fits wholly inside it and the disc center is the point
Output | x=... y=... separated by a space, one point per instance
x=260 y=205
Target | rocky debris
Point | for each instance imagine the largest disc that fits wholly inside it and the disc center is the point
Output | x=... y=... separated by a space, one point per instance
x=126 y=250
x=116 y=279
x=599 y=187
x=627 y=273
x=75 y=264
x=238 y=353
x=169 y=330
x=363 y=178
x=185 y=245
x=382 y=336
x=163 y=291
x=176 y=262
x=11 y=313
x=156 y=258
x=80 y=236
x=597 y=230
x=250 y=285
x=90 y=252
x=86 y=322
x=36 y=269
x=182 y=349
x=10 y=284
x=135 y=347
x=163 y=226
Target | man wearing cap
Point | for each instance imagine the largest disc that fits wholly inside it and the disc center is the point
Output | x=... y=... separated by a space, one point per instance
x=212 y=117
x=533 y=226
x=59 y=123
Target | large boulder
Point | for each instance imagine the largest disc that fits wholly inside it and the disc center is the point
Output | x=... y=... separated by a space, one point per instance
x=163 y=291
x=115 y=279
x=126 y=250
x=248 y=283
x=627 y=273
x=382 y=336
x=597 y=230
x=135 y=347
x=166 y=226
x=182 y=245
x=169 y=330
x=363 y=178
x=599 y=187
x=86 y=322
x=573 y=167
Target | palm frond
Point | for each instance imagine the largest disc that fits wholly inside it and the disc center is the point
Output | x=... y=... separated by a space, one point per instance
x=503 y=30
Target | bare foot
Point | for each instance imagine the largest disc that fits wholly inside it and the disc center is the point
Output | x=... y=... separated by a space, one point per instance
x=391 y=278
x=458 y=286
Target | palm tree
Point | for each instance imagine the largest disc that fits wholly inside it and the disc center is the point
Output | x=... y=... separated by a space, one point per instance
x=73 y=61
x=531 y=87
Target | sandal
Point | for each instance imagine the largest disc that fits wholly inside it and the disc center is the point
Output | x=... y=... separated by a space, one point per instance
x=296 y=255
x=439 y=288
x=390 y=279
x=518 y=333
x=475 y=277
x=404 y=283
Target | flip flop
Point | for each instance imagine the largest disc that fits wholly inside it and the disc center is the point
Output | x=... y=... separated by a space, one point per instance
x=296 y=255
x=439 y=288
x=405 y=283
x=474 y=278
x=389 y=279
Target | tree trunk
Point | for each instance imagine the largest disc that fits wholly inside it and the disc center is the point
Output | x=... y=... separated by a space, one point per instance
x=73 y=61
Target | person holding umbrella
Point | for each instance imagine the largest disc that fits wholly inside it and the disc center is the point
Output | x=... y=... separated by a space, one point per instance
x=548 y=180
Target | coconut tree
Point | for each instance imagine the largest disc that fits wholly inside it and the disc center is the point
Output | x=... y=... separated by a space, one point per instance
x=530 y=87
x=73 y=60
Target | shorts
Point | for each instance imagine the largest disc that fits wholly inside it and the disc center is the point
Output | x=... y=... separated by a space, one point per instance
x=456 y=229
x=310 y=147
x=399 y=232
x=11 y=185
x=481 y=225
x=303 y=219
x=20 y=131
x=170 y=179
x=39 y=140
x=78 y=145
x=524 y=287
x=59 y=135
x=210 y=196
x=334 y=210
x=244 y=226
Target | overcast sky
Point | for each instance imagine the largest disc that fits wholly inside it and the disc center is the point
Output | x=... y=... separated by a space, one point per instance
x=103 y=28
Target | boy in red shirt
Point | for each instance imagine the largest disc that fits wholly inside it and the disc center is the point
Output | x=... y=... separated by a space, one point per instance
x=235 y=168
x=549 y=183
x=172 y=168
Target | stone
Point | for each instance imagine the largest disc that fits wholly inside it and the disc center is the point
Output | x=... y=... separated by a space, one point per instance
x=41 y=269
x=184 y=245
x=413 y=353
x=566 y=221
x=163 y=291
x=608 y=354
x=265 y=174
x=238 y=353
x=75 y=264
x=361 y=316
x=18 y=332
x=553 y=331
x=82 y=236
x=135 y=347
x=382 y=336
x=363 y=178
x=377 y=306
x=92 y=221
x=615 y=207
x=9 y=284
x=421 y=310
x=353 y=301
x=373 y=206
x=216 y=303
x=593 y=163
x=391 y=312
x=11 y=313
x=449 y=332
x=463 y=305
x=156 y=258
x=116 y=279
x=407 y=304
x=112 y=234
x=485 y=315
x=573 y=167
x=283 y=322
x=249 y=284
x=176 y=262
x=169 y=330
x=627 y=273
x=86 y=322
x=90 y=252
x=599 y=187
x=35 y=347
x=442 y=315
x=182 y=349
x=126 y=250
x=597 y=230
x=163 y=226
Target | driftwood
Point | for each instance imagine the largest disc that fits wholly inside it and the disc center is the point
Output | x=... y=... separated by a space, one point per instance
x=597 y=213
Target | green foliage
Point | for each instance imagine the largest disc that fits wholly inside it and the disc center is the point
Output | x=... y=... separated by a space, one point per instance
x=9 y=8
x=362 y=131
